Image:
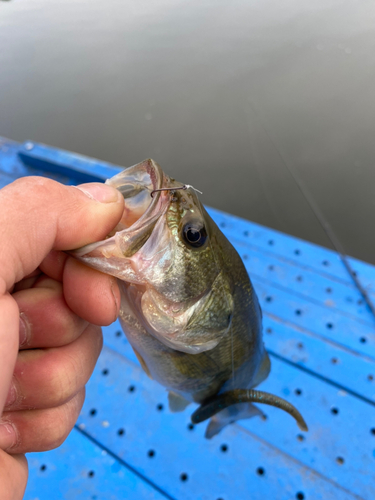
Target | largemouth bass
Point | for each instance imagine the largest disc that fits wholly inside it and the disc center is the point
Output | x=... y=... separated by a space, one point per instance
x=188 y=307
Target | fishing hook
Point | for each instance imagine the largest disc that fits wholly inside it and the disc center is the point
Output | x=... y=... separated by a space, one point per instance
x=184 y=187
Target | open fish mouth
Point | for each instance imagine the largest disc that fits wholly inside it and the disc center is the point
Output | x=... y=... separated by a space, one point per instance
x=141 y=213
x=136 y=184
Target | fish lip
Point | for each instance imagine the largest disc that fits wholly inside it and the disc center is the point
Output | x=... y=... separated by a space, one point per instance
x=158 y=179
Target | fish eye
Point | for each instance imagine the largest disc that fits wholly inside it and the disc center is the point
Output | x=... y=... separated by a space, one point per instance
x=194 y=234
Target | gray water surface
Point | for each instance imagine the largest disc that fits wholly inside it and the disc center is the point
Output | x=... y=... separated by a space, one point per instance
x=224 y=95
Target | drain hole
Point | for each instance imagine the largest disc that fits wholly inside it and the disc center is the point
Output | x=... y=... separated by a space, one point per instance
x=121 y=432
x=363 y=340
x=373 y=431
x=118 y=333
x=245 y=256
x=260 y=471
x=268 y=299
x=334 y=411
x=329 y=326
x=160 y=407
x=298 y=312
x=246 y=233
x=299 y=278
x=131 y=388
x=190 y=427
x=300 y=437
x=91 y=473
x=334 y=361
x=184 y=477
x=297 y=252
x=93 y=412
x=340 y=460
x=224 y=448
x=300 y=496
x=151 y=453
x=328 y=290
x=270 y=242
x=370 y=377
x=43 y=467
x=298 y=392
x=269 y=330
x=222 y=224
x=325 y=263
x=105 y=371
x=300 y=345
x=271 y=268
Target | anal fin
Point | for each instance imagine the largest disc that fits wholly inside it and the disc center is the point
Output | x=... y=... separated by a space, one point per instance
x=176 y=402
x=229 y=415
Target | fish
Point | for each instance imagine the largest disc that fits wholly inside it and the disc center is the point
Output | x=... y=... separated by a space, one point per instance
x=188 y=307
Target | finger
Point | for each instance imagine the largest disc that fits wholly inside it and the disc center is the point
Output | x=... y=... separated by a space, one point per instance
x=46 y=378
x=72 y=219
x=91 y=294
x=45 y=318
x=39 y=214
x=41 y=430
x=53 y=264
x=9 y=319
x=27 y=282
x=24 y=284
x=13 y=475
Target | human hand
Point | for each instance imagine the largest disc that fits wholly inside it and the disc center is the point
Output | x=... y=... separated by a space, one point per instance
x=49 y=306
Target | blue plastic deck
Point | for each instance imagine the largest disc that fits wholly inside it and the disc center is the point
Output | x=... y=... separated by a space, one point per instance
x=321 y=338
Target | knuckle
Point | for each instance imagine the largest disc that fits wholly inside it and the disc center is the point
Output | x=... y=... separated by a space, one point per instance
x=56 y=435
x=61 y=422
x=63 y=382
x=61 y=385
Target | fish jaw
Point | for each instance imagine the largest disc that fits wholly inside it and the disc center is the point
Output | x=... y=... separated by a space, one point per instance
x=141 y=213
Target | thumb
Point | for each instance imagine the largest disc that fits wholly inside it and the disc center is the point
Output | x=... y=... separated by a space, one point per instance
x=36 y=216
x=39 y=214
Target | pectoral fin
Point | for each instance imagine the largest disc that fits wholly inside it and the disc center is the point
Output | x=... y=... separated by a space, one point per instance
x=142 y=363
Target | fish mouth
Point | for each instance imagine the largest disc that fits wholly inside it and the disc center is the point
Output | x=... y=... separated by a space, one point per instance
x=143 y=207
x=139 y=187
